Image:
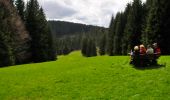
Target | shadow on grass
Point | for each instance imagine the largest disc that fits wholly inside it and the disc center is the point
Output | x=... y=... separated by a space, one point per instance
x=150 y=67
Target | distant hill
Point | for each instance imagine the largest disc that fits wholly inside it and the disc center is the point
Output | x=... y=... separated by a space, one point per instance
x=62 y=28
x=68 y=36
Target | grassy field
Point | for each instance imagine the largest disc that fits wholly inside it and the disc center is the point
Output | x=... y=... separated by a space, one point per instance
x=74 y=77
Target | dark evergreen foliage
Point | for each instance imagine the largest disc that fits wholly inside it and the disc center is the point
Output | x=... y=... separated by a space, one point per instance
x=7 y=56
x=102 y=44
x=84 y=46
x=133 y=28
x=88 y=47
x=62 y=28
x=14 y=40
x=165 y=27
x=20 y=6
x=42 y=46
x=110 y=41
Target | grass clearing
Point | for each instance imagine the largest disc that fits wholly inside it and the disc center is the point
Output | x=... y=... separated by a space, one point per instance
x=74 y=77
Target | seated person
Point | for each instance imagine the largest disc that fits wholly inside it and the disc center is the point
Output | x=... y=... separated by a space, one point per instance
x=157 y=50
x=135 y=59
x=142 y=55
x=150 y=53
x=157 y=53
x=149 y=50
x=142 y=50
x=136 y=50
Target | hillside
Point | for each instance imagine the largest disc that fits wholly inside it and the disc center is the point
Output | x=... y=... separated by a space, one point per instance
x=62 y=28
x=75 y=77
x=68 y=36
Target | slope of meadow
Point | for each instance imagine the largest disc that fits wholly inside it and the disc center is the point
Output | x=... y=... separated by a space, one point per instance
x=74 y=77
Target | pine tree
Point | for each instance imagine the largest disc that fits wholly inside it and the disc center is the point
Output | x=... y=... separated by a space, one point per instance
x=165 y=30
x=84 y=46
x=118 y=34
x=110 y=42
x=153 y=23
x=92 y=48
x=124 y=40
x=42 y=46
x=20 y=5
x=102 y=44
x=88 y=47
x=7 y=57
x=133 y=28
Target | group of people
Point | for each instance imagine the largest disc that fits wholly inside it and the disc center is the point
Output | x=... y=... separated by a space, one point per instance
x=141 y=56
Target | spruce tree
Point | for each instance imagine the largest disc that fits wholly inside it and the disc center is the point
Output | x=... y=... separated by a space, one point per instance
x=125 y=36
x=7 y=57
x=92 y=48
x=42 y=46
x=118 y=34
x=153 y=23
x=84 y=46
x=102 y=44
x=133 y=28
x=110 y=41
x=165 y=30
x=88 y=47
x=20 y=6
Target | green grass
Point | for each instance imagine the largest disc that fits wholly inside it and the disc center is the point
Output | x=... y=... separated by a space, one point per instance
x=74 y=77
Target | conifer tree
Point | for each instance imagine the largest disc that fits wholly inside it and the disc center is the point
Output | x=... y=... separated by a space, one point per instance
x=124 y=36
x=42 y=46
x=84 y=46
x=165 y=30
x=110 y=41
x=118 y=34
x=102 y=44
x=153 y=23
x=88 y=47
x=7 y=57
x=133 y=28
x=92 y=48
x=20 y=6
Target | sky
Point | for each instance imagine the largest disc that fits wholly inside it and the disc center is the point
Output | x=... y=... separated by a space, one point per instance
x=91 y=12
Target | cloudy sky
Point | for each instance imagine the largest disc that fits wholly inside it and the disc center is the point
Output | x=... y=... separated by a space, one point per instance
x=93 y=12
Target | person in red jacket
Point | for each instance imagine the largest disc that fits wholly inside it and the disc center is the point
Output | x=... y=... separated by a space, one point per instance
x=142 y=50
x=157 y=50
x=157 y=53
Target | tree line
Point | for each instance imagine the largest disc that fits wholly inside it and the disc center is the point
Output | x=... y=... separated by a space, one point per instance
x=88 y=42
x=25 y=35
x=63 y=28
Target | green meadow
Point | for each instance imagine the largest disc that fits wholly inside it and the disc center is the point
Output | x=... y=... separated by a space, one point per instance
x=74 y=77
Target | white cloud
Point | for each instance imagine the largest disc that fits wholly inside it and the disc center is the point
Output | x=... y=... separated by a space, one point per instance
x=94 y=12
